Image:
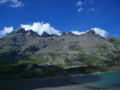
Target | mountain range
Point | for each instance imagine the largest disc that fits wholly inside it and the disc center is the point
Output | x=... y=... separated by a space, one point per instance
x=67 y=50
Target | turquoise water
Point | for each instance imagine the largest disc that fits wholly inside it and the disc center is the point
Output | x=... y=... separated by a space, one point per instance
x=106 y=80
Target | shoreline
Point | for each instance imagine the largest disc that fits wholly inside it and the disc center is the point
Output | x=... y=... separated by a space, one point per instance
x=59 y=83
x=98 y=73
x=51 y=83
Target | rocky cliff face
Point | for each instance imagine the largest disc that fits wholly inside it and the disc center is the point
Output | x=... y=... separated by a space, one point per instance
x=53 y=49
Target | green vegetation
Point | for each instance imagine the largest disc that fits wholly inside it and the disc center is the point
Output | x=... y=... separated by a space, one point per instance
x=23 y=62
x=45 y=58
x=91 y=63
x=24 y=66
x=68 y=62
x=39 y=58
x=12 y=57
x=90 y=60
x=29 y=70
x=8 y=58
x=114 y=59
x=115 y=41
x=61 y=65
x=102 y=48
x=75 y=48
x=87 y=70
x=27 y=56
x=53 y=55
x=5 y=50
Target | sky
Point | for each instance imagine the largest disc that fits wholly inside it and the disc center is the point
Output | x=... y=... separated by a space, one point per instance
x=57 y=16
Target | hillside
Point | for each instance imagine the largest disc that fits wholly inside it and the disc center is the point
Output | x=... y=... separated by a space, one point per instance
x=67 y=50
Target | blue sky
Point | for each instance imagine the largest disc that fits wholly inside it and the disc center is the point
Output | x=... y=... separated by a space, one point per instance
x=61 y=15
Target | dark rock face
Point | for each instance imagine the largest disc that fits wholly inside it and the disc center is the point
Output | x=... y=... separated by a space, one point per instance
x=31 y=32
x=21 y=30
x=70 y=34
x=91 y=32
x=31 y=49
x=45 y=34
x=112 y=39
x=63 y=34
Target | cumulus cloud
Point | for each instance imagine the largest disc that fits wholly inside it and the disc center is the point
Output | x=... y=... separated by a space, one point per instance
x=77 y=32
x=41 y=27
x=13 y=3
x=5 y=31
x=100 y=31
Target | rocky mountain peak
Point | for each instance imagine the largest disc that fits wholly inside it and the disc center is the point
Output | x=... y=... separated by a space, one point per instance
x=32 y=33
x=21 y=30
x=70 y=34
x=91 y=32
x=45 y=34
x=63 y=34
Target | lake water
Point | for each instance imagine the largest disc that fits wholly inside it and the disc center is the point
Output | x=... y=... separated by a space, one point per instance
x=105 y=80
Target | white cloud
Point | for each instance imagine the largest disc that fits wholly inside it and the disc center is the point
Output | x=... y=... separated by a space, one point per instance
x=91 y=10
x=77 y=32
x=13 y=3
x=5 y=31
x=16 y=3
x=81 y=6
x=79 y=3
x=41 y=27
x=100 y=31
x=46 y=27
x=80 y=9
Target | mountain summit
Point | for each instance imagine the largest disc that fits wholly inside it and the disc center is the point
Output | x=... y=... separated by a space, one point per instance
x=91 y=32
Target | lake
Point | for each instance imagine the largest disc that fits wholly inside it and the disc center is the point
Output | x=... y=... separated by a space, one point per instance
x=104 y=80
